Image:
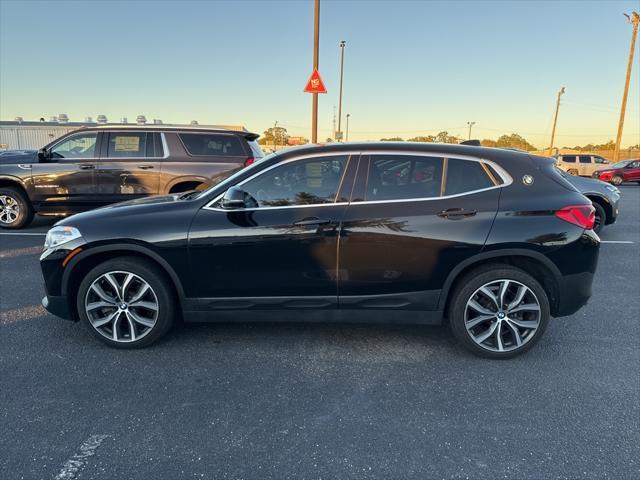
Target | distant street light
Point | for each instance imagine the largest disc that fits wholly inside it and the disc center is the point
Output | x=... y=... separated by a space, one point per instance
x=634 y=20
x=471 y=124
x=342 y=45
x=347 y=135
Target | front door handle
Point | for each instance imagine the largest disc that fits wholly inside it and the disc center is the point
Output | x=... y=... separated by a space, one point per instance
x=87 y=166
x=312 y=221
x=145 y=167
x=456 y=213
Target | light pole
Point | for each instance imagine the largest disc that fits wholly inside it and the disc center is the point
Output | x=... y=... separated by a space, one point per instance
x=555 y=121
x=342 y=45
x=634 y=19
x=316 y=51
x=471 y=124
x=275 y=138
x=347 y=135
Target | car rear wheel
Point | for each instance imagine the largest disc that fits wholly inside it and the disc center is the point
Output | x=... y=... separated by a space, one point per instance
x=617 y=180
x=572 y=171
x=499 y=311
x=15 y=209
x=126 y=302
x=601 y=217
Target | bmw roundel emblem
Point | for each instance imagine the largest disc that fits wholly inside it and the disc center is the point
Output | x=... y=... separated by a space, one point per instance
x=527 y=179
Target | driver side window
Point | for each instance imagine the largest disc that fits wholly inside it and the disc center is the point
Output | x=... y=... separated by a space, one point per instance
x=82 y=145
x=301 y=182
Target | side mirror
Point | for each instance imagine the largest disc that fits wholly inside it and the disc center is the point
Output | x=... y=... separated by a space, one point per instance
x=233 y=198
x=43 y=155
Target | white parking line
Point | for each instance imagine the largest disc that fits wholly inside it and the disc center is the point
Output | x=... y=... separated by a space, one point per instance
x=626 y=242
x=22 y=233
x=76 y=463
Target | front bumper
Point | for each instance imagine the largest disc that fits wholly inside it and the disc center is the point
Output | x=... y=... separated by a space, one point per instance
x=58 y=306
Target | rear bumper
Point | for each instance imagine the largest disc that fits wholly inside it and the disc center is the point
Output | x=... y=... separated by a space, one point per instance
x=575 y=291
x=58 y=306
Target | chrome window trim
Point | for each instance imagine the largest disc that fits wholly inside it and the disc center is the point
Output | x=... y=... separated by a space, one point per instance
x=186 y=150
x=504 y=175
x=163 y=140
x=209 y=206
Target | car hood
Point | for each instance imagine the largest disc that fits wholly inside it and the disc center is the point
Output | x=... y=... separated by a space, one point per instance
x=17 y=158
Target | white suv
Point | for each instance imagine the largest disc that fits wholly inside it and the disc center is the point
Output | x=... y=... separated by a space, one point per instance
x=583 y=165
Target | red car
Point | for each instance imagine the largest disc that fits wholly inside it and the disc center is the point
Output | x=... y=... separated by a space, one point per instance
x=624 y=171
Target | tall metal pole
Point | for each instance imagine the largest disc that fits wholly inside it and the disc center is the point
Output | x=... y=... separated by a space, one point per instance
x=347 y=136
x=471 y=124
x=634 y=19
x=555 y=121
x=275 y=129
x=316 y=49
x=342 y=44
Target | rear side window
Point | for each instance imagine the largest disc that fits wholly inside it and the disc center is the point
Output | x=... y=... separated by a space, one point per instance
x=401 y=177
x=585 y=159
x=127 y=145
x=569 y=159
x=465 y=176
x=207 y=144
x=599 y=160
x=255 y=149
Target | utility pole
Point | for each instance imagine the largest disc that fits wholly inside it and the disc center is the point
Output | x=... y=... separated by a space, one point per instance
x=634 y=19
x=334 y=122
x=316 y=51
x=555 y=121
x=342 y=45
x=471 y=124
x=347 y=136
x=275 y=129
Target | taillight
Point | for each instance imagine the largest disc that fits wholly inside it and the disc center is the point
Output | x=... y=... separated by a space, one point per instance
x=583 y=216
x=249 y=161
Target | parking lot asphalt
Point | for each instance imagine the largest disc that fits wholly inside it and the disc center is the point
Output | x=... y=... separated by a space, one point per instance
x=321 y=401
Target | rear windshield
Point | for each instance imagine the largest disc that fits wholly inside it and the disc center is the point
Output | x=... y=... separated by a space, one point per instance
x=212 y=144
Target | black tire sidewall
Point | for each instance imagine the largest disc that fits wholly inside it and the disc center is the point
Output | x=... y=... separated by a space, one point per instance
x=150 y=274
x=603 y=216
x=474 y=280
x=25 y=214
x=617 y=180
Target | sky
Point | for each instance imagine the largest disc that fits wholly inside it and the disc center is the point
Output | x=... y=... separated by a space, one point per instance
x=411 y=67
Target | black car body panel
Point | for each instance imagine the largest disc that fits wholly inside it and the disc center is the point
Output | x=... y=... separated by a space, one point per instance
x=353 y=259
x=599 y=192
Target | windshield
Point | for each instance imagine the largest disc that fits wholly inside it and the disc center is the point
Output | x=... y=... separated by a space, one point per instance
x=621 y=164
x=230 y=179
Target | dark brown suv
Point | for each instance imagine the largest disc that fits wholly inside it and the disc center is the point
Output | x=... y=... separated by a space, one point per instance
x=97 y=166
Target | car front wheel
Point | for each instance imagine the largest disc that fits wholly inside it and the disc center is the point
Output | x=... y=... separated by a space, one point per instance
x=15 y=209
x=499 y=311
x=617 y=180
x=126 y=302
x=601 y=217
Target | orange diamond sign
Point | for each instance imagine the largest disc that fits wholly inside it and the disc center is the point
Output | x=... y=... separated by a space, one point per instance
x=315 y=85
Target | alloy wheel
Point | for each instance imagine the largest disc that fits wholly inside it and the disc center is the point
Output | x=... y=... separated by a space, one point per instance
x=121 y=306
x=9 y=209
x=502 y=315
x=617 y=180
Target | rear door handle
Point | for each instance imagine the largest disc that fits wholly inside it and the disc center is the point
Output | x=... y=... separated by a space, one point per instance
x=145 y=167
x=87 y=166
x=456 y=213
x=312 y=221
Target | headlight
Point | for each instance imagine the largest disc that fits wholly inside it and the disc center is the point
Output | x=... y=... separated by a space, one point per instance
x=60 y=235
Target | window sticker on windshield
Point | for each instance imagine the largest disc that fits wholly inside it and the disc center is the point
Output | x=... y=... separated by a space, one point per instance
x=127 y=144
x=314 y=174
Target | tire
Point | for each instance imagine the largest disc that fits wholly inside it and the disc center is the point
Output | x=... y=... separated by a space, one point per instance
x=16 y=210
x=150 y=316
x=601 y=217
x=490 y=277
x=617 y=180
x=572 y=171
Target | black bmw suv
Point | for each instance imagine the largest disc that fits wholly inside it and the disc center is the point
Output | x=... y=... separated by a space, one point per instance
x=96 y=166
x=492 y=241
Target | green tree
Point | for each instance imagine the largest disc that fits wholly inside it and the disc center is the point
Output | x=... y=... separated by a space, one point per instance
x=514 y=141
x=392 y=139
x=444 y=137
x=274 y=135
x=487 y=142
x=428 y=139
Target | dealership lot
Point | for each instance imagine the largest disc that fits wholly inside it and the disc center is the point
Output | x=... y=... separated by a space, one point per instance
x=295 y=400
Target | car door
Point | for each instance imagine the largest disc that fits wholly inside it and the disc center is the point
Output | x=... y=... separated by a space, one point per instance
x=281 y=249
x=129 y=165
x=412 y=219
x=65 y=180
x=585 y=165
x=632 y=172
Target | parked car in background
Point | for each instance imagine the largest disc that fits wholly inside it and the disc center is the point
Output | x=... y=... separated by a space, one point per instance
x=96 y=166
x=624 y=171
x=494 y=240
x=581 y=165
x=604 y=197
